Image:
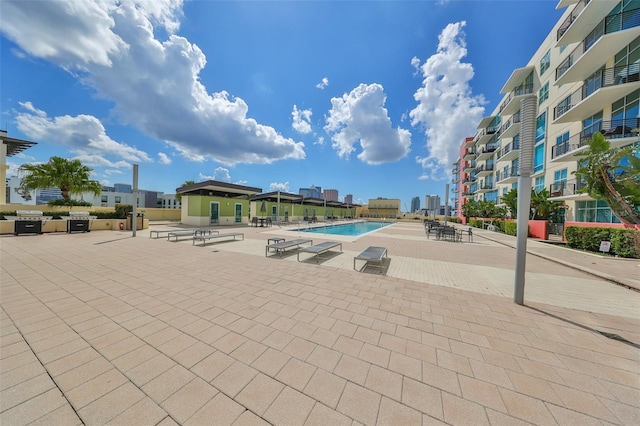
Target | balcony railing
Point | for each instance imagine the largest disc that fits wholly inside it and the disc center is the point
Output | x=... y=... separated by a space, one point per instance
x=603 y=78
x=510 y=122
x=610 y=129
x=565 y=188
x=484 y=168
x=524 y=89
x=511 y=146
x=487 y=149
x=571 y=18
x=507 y=173
x=610 y=24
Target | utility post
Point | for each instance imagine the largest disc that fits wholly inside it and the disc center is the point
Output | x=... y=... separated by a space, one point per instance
x=528 y=112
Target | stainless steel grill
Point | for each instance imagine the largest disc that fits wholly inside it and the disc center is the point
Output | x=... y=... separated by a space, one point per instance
x=28 y=221
x=78 y=221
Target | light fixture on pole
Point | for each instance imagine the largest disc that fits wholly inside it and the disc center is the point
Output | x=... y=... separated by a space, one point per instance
x=528 y=112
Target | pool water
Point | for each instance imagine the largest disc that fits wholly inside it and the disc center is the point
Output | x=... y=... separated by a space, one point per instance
x=349 y=229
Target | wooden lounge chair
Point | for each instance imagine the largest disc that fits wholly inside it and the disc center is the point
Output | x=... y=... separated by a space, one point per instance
x=318 y=249
x=206 y=237
x=284 y=245
x=372 y=255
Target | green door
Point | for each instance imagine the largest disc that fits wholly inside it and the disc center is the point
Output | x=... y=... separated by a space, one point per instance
x=214 y=217
x=238 y=213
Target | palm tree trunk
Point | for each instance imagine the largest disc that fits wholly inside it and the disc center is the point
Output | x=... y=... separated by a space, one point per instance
x=629 y=213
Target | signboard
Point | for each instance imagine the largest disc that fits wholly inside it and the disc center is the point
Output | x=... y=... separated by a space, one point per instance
x=605 y=246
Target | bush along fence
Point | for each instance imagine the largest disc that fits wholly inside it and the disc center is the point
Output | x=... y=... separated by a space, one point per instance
x=506 y=226
x=625 y=242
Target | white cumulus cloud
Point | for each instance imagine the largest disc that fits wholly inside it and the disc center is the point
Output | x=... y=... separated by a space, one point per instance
x=359 y=117
x=279 y=186
x=323 y=83
x=154 y=84
x=163 y=158
x=301 y=120
x=83 y=134
x=447 y=109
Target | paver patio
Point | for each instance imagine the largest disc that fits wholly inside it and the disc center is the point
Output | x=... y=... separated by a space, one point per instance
x=102 y=328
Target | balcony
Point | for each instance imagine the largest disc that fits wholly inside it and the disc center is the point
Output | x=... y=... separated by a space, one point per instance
x=467 y=194
x=511 y=104
x=485 y=152
x=470 y=154
x=468 y=181
x=571 y=18
x=567 y=190
x=508 y=175
x=484 y=170
x=509 y=152
x=486 y=188
x=584 y=17
x=511 y=127
x=607 y=37
x=618 y=133
x=602 y=88
x=469 y=142
x=455 y=171
x=469 y=167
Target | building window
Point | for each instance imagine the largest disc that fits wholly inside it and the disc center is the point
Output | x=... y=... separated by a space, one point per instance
x=594 y=211
x=538 y=184
x=543 y=94
x=103 y=199
x=541 y=124
x=118 y=199
x=545 y=62
x=538 y=158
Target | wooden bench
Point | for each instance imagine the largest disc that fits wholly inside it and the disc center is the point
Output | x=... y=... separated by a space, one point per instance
x=371 y=254
x=318 y=249
x=189 y=233
x=284 y=245
x=205 y=237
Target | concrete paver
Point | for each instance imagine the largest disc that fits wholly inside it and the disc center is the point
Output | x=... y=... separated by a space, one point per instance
x=102 y=328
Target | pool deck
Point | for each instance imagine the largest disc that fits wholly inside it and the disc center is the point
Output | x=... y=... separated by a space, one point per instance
x=103 y=328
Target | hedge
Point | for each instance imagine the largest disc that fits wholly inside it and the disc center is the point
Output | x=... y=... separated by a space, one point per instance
x=59 y=214
x=625 y=242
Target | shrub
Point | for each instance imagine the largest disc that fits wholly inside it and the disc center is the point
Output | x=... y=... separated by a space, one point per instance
x=510 y=228
x=624 y=242
x=69 y=202
x=122 y=210
x=476 y=223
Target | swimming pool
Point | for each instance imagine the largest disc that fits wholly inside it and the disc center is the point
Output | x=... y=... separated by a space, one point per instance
x=350 y=229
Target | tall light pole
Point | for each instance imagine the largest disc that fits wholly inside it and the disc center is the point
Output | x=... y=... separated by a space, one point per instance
x=528 y=112
x=134 y=212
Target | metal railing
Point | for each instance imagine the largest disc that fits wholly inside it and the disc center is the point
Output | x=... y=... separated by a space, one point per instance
x=604 y=78
x=610 y=129
x=511 y=146
x=524 y=89
x=571 y=18
x=565 y=188
x=611 y=24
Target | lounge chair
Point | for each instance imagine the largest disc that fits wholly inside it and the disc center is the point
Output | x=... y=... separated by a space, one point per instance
x=318 y=249
x=205 y=237
x=284 y=245
x=373 y=255
x=190 y=233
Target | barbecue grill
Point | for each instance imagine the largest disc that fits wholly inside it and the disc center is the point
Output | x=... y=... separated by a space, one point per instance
x=28 y=221
x=78 y=222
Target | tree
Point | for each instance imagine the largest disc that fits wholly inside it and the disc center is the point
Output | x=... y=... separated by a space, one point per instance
x=543 y=208
x=612 y=175
x=186 y=183
x=470 y=209
x=71 y=176
x=510 y=199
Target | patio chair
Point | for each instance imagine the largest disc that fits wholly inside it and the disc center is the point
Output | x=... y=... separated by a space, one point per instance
x=254 y=221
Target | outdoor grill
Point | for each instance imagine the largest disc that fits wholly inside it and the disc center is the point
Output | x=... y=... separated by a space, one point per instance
x=28 y=222
x=78 y=222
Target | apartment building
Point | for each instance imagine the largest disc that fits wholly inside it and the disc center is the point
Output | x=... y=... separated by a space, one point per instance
x=585 y=76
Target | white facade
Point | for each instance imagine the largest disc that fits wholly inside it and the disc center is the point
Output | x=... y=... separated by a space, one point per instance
x=585 y=78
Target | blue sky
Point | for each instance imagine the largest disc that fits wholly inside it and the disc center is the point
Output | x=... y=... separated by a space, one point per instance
x=372 y=98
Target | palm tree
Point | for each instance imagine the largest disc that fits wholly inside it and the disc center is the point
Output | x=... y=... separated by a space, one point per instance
x=612 y=175
x=71 y=176
x=186 y=183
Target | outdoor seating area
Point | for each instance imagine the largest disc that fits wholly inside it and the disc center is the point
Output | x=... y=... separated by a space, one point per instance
x=372 y=256
x=443 y=232
x=207 y=237
x=190 y=233
x=282 y=246
x=262 y=221
x=319 y=249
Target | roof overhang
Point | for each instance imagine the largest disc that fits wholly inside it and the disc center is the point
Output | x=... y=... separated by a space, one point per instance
x=517 y=77
x=16 y=146
x=218 y=189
